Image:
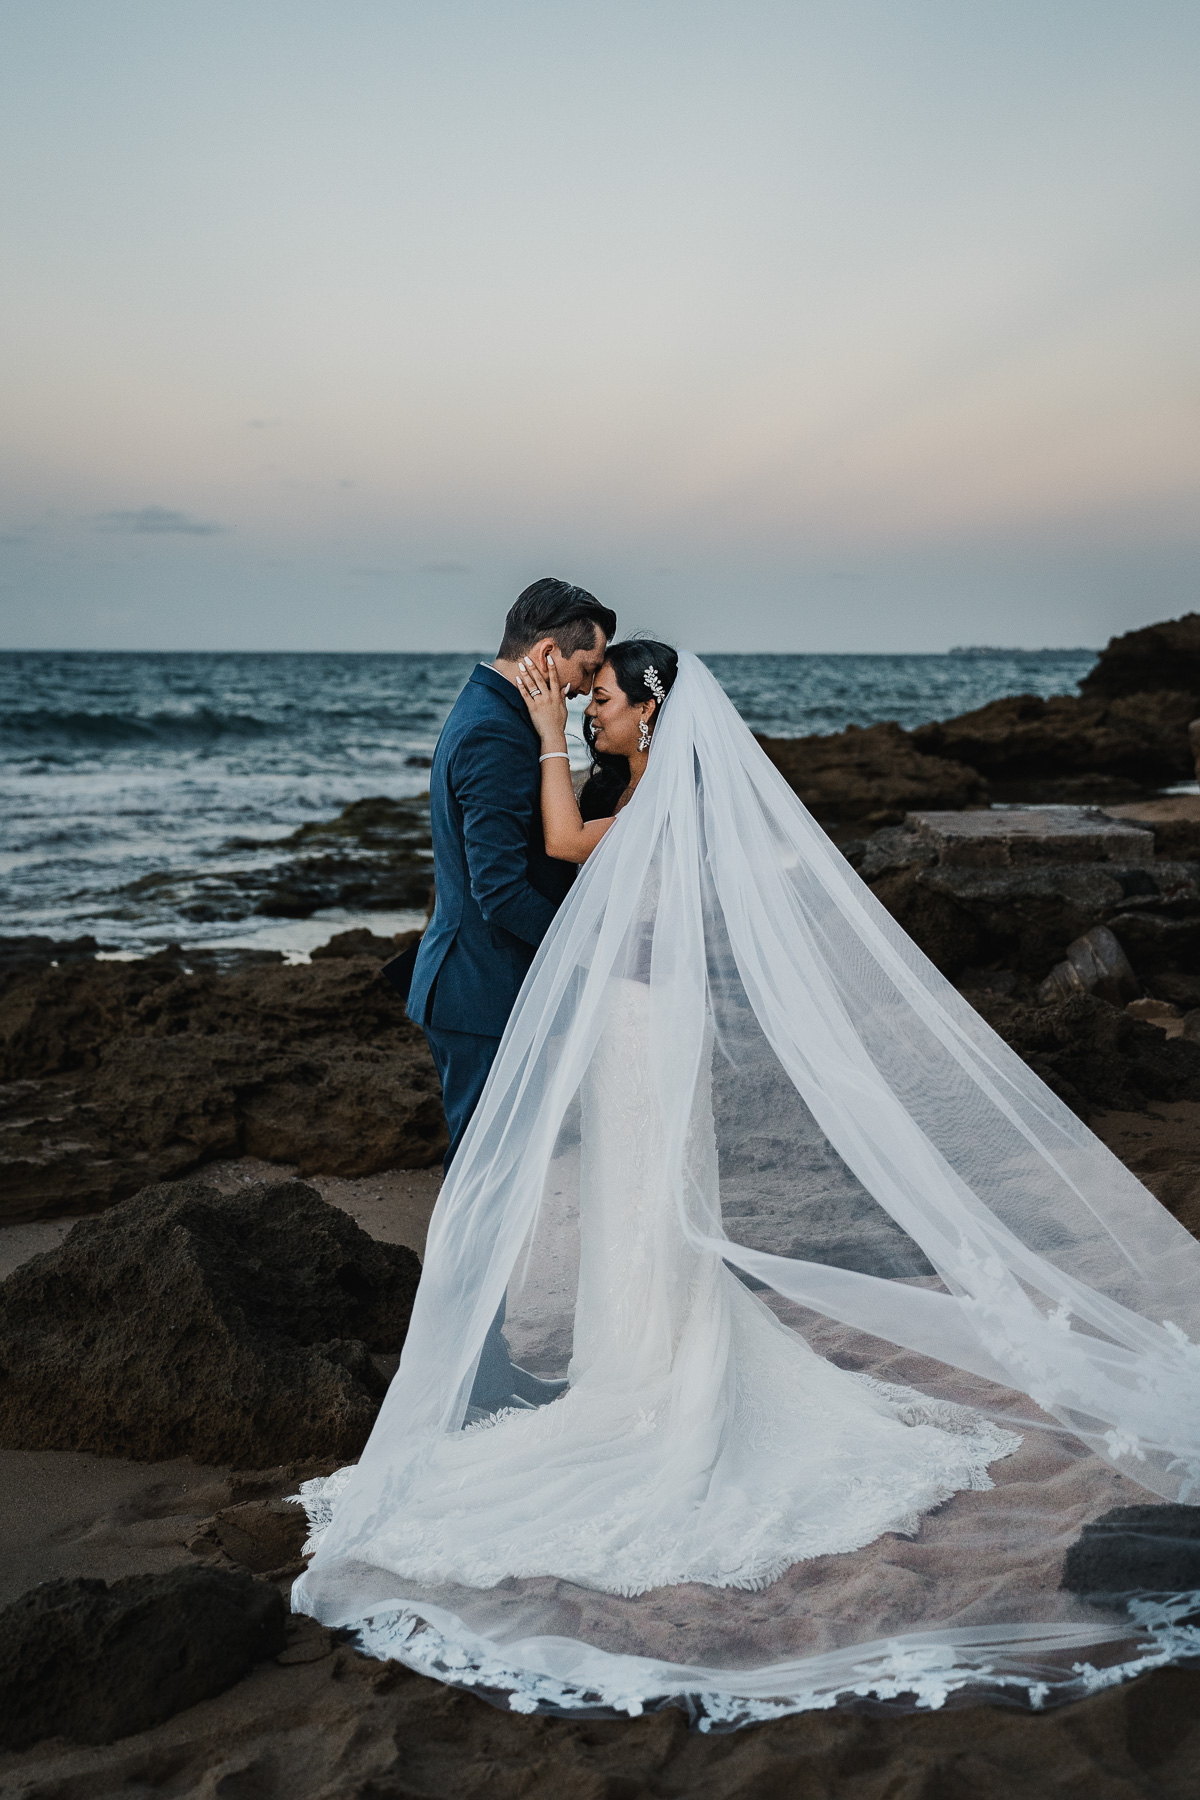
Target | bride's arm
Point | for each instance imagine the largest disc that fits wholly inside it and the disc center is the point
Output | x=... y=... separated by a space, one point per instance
x=567 y=837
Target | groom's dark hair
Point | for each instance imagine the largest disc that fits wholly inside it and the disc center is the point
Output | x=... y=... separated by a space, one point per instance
x=551 y=608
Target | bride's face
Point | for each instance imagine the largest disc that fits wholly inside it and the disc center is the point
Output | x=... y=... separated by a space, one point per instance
x=615 y=721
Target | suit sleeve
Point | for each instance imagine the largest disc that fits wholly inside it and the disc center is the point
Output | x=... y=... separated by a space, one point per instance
x=498 y=786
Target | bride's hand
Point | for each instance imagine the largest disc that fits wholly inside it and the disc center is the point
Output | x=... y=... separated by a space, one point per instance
x=543 y=697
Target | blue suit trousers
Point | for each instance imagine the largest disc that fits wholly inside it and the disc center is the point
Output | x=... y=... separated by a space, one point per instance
x=464 y=1060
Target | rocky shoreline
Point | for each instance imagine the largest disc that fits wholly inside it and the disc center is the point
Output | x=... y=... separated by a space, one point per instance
x=176 y=1364
x=120 y=1074
x=1123 y=738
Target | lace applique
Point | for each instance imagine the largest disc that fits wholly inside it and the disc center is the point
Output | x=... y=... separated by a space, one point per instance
x=927 y=1673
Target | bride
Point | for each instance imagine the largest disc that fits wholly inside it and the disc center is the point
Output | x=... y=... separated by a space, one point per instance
x=806 y=1241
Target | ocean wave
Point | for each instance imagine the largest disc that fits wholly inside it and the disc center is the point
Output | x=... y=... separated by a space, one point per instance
x=204 y=725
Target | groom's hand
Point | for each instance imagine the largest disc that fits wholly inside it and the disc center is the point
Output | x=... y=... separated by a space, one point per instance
x=545 y=700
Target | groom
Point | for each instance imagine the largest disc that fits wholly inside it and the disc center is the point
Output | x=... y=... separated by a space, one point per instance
x=496 y=889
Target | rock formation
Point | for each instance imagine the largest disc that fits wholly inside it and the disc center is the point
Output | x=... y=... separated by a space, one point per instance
x=871 y=777
x=227 y=1328
x=983 y=892
x=1068 y=748
x=265 y=1536
x=1093 y=1054
x=120 y=1074
x=1125 y=735
x=376 y=854
x=92 y=1663
x=1155 y=658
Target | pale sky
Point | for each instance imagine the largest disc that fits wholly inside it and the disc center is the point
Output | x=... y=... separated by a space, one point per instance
x=842 y=325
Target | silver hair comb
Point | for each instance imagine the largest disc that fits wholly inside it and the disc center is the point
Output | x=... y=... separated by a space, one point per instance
x=651 y=679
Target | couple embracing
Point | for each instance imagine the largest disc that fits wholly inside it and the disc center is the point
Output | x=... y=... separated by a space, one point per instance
x=755 y=1244
x=501 y=873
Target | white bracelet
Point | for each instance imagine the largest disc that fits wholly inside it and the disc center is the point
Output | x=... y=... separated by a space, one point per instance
x=551 y=754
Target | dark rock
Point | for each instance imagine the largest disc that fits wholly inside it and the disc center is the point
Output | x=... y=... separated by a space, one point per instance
x=1136 y=1550
x=988 y=981
x=376 y=823
x=228 y=959
x=1095 y=1055
x=1161 y=940
x=365 y=943
x=19 y=953
x=1069 y=749
x=1094 y=964
x=1181 y=990
x=1175 y=839
x=227 y=1328
x=874 y=776
x=126 y=1073
x=944 y=929
x=895 y=847
x=376 y=854
x=265 y=1536
x=1166 y=655
x=92 y=1663
x=854 y=849
x=1025 y=918
x=316 y=883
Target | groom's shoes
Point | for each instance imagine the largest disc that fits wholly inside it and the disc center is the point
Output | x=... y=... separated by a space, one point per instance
x=529 y=1392
x=532 y=1389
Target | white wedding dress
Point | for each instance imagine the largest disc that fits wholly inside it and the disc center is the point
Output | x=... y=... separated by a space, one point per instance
x=699 y=1440
x=859 y=1323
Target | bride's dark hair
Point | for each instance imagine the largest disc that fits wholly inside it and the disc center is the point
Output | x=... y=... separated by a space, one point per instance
x=629 y=662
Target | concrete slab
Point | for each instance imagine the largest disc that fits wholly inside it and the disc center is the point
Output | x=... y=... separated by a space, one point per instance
x=1008 y=838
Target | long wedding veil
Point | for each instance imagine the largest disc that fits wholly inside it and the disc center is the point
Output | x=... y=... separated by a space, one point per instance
x=893 y=1181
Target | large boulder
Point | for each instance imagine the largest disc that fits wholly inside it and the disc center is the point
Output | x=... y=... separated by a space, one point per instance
x=1068 y=748
x=1025 y=918
x=121 y=1074
x=1015 y=889
x=871 y=776
x=1160 y=656
x=92 y=1663
x=237 y=1328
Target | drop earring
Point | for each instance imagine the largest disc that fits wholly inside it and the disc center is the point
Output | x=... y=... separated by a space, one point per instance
x=643 y=736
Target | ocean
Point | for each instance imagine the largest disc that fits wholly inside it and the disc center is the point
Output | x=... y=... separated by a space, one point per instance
x=196 y=798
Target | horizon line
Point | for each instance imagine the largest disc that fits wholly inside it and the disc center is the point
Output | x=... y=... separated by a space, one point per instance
x=483 y=655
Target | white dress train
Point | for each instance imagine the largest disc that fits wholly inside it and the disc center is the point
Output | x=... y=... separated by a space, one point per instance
x=699 y=1439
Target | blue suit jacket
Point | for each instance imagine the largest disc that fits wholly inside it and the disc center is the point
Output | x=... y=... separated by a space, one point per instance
x=497 y=890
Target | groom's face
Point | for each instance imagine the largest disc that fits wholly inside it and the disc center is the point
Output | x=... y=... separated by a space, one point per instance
x=580 y=668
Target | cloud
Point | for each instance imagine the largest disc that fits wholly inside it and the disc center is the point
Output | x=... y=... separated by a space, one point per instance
x=158 y=520
x=445 y=568
x=368 y=572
